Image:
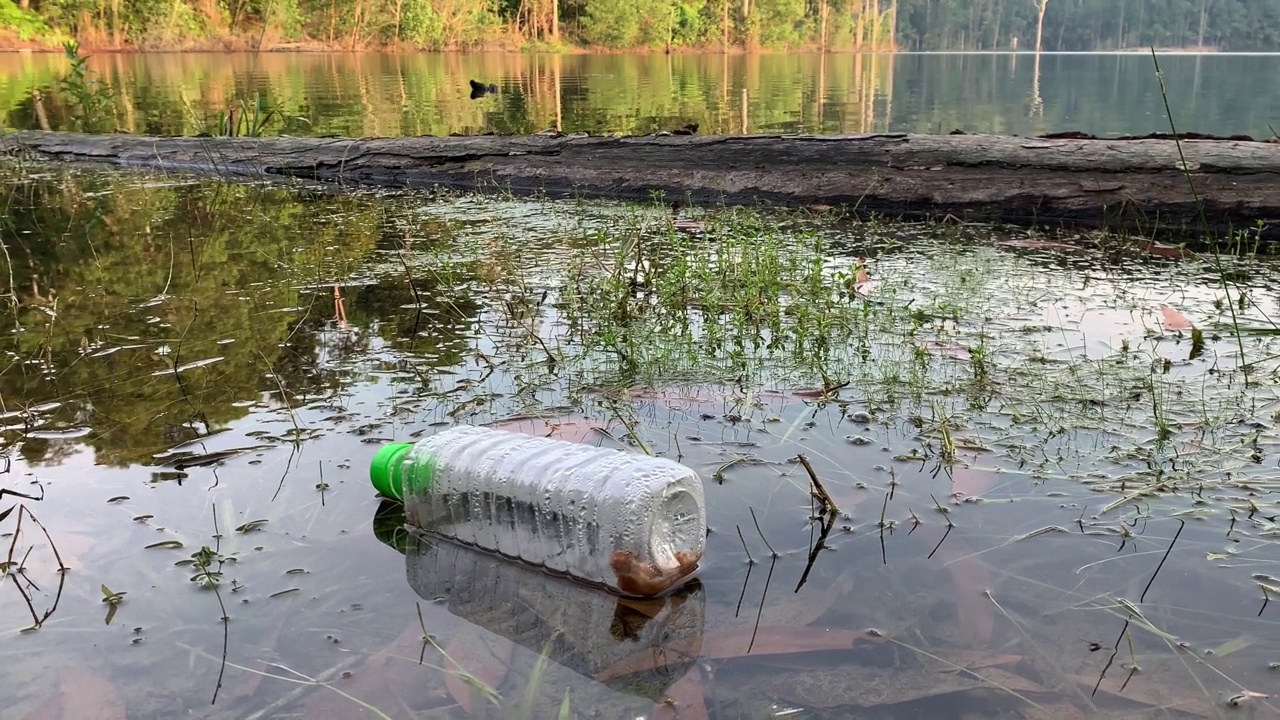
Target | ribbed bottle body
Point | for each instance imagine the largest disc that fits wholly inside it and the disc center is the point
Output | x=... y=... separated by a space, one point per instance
x=630 y=522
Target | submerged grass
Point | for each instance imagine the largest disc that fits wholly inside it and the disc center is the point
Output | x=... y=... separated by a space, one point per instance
x=758 y=302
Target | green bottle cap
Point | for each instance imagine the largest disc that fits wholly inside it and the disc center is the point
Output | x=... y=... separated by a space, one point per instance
x=384 y=471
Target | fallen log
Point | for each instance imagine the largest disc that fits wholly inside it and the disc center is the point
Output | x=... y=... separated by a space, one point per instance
x=1157 y=188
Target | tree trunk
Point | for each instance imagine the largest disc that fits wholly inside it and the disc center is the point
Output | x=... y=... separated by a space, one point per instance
x=822 y=37
x=724 y=26
x=893 y=26
x=355 y=25
x=858 y=39
x=1123 y=184
x=1124 y=5
x=875 y=24
x=1041 y=6
x=1204 y=10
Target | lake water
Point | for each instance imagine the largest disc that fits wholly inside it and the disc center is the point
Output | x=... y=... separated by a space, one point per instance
x=428 y=94
x=1056 y=498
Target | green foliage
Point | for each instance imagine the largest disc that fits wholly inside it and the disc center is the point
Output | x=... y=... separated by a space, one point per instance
x=612 y=23
x=782 y=23
x=283 y=17
x=694 y=23
x=26 y=25
x=446 y=24
x=421 y=25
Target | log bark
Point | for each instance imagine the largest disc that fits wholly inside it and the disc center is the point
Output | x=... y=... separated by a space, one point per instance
x=1133 y=185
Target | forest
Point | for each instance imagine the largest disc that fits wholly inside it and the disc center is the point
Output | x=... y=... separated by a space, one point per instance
x=658 y=25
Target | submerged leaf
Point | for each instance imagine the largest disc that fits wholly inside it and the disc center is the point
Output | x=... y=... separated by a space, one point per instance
x=476 y=661
x=80 y=694
x=1174 y=320
x=1166 y=696
x=1232 y=646
x=685 y=700
x=743 y=642
x=565 y=712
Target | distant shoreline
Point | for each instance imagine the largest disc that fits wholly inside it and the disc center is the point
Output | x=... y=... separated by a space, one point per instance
x=309 y=49
x=236 y=44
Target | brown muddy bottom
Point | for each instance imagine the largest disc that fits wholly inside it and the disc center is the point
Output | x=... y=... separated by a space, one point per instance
x=1054 y=471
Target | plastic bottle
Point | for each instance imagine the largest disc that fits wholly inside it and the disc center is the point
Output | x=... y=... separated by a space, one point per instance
x=630 y=522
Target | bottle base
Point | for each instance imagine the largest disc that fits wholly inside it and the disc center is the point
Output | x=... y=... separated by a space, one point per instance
x=641 y=579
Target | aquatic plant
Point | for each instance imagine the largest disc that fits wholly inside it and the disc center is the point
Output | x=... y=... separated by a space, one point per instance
x=245 y=118
x=91 y=99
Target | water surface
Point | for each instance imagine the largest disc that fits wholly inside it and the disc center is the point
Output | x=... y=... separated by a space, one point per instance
x=370 y=94
x=1054 y=499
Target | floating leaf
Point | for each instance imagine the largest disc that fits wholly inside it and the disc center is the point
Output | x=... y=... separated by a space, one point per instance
x=113 y=600
x=118 y=498
x=1036 y=244
x=561 y=427
x=1167 y=251
x=284 y=592
x=188 y=366
x=165 y=544
x=1240 y=697
x=143 y=518
x=295 y=571
x=60 y=434
x=251 y=526
x=181 y=460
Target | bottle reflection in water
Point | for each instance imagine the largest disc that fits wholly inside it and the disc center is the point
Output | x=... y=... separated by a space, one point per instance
x=585 y=629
